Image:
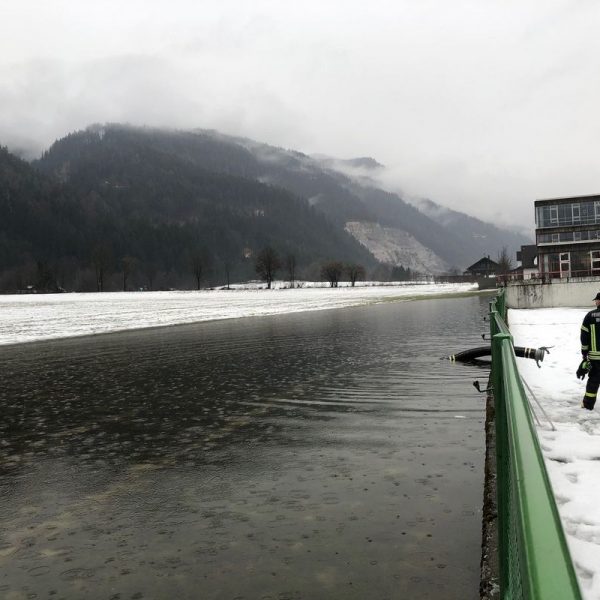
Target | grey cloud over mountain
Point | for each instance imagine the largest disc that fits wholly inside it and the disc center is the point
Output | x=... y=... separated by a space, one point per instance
x=483 y=106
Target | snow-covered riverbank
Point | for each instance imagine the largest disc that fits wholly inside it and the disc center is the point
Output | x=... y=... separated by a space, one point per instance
x=572 y=452
x=27 y=318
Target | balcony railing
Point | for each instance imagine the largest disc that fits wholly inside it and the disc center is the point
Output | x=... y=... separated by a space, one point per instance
x=547 y=276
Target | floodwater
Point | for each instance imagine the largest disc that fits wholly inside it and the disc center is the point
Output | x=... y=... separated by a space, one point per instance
x=324 y=455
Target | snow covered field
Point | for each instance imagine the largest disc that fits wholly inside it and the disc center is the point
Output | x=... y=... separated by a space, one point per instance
x=572 y=452
x=27 y=318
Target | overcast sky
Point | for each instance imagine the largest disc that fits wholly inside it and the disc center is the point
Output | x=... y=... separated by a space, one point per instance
x=480 y=105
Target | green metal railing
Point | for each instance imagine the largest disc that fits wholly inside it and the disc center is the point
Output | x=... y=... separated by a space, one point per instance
x=534 y=558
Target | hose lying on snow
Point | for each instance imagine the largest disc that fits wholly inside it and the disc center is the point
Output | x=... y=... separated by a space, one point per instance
x=473 y=354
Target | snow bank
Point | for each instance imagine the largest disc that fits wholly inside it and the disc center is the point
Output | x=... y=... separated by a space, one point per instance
x=27 y=318
x=572 y=452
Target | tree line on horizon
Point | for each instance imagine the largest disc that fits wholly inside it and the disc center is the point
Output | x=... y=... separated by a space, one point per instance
x=104 y=273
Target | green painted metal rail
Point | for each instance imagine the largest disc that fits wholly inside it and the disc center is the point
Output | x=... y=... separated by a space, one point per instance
x=534 y=558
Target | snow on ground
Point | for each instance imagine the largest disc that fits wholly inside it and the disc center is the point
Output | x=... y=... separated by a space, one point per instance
x=572 y=452
x=26 y=318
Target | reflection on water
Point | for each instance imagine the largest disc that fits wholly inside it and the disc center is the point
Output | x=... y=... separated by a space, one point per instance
x=316 y=456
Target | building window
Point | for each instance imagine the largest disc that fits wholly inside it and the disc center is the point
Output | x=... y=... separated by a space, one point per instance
x=585 y=212
x=565 y=264
x=551 y=264
x=566 y=236
x=595 y=261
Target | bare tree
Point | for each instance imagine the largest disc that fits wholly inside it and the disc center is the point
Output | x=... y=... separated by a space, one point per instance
x=355 y=272
x=101 y=259
x=505 y=263
x=267 y=264
x=290 y=265
x=227 y=266
x=228 y=261
x=197 y=264
x=332 y=271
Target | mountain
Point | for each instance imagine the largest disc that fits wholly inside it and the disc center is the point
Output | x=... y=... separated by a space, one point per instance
x=102 y=202
x=116 y=198
x=346 y=191
x=483 y=237
x=456 y=238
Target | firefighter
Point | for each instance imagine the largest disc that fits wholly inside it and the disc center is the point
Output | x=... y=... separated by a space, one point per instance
x=590 y=351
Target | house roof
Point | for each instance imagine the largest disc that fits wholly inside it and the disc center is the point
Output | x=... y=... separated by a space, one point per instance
x=483 y=263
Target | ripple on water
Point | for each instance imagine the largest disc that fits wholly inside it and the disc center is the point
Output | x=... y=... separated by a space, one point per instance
x=265 y=448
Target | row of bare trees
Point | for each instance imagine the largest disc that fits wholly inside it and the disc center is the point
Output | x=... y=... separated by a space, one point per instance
x=105 y=270
x=268 y=263
x=334 y=270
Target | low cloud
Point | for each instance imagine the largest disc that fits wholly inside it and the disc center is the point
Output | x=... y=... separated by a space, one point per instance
x=483 y=107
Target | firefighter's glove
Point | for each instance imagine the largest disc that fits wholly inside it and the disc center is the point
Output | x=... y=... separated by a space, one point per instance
x=583 y=369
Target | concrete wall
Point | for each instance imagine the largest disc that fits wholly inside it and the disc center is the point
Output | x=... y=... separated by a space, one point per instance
x=574 y=292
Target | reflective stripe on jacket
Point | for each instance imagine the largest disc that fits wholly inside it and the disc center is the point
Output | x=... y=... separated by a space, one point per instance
x=590 y=334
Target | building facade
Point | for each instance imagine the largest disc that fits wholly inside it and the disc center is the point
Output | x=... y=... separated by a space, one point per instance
x=568 y=236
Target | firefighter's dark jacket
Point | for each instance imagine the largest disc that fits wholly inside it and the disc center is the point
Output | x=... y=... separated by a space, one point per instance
x=590 y=335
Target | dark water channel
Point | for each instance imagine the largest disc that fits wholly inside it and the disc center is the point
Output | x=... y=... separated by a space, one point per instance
x=324 y=455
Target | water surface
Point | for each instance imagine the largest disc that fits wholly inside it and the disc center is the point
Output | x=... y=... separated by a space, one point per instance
x=312 y=456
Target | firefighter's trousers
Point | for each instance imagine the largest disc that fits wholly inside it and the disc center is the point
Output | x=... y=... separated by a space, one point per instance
x=593 y=383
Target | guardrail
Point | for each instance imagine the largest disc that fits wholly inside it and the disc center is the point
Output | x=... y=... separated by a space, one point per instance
x=533 y=555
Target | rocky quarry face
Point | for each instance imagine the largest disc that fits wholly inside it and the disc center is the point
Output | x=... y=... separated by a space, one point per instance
x=396 y=247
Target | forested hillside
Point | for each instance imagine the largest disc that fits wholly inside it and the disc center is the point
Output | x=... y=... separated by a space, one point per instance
x=110 y=206
x=41 y=221
x=117 y=207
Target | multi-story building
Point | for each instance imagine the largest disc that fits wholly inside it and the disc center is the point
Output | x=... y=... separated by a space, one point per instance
x=568 y=236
